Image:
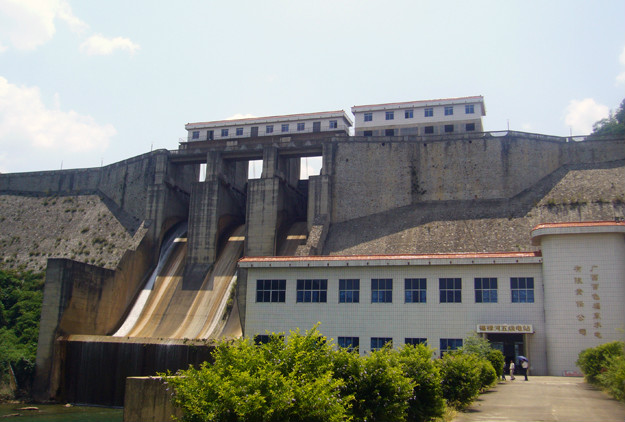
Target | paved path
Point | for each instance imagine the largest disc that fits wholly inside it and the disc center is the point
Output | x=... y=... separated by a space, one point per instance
x=544 y=399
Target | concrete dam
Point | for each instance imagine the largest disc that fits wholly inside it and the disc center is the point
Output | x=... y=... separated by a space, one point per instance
x=374 y=195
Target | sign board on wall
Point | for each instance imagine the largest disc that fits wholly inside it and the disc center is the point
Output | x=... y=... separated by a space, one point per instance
x=505 y=328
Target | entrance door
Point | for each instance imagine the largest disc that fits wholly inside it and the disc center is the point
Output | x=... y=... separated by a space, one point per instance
x=316 y=126
x=511 y=345
x=254 y=133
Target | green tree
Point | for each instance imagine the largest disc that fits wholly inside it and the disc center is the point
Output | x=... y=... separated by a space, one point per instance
x=481 y=347
x=613 y=125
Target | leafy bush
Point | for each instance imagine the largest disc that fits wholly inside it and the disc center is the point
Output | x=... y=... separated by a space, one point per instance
x=497 y=360
x=427 y=401
x=488 y=375
x=613 y=379
x=21 y=294
x=272 y=382
x=461 y=378
x=595 y=360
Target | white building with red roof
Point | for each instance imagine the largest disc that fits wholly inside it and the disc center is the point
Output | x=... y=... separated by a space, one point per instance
x=547 y=305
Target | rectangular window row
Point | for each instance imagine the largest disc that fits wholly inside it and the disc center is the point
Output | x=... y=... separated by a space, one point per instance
x=427 y=112
x=415 y=290
x=427 y=130
x=269 y=129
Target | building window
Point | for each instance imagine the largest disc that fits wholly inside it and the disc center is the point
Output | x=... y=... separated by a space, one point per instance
x=390 y=115
x=449 y=344
x=266 y=338
x=309 y=291
x=470 y=127
x=195 y=134
x=485 y=290
x=415 y=290
x=415 y=340
x=334 y=124
x=368 y=133
x=381 y=290
x=269 y=129
x=285 y=127
x=389 y=132
x=522 y=289
x=239 y=131
x=428 y=112
x=224 y=133
x=301 y=126
x=450 y=290
x=210 y=135
x=379 y=342
x=349 y=291
x=428 y=130
x=270 y=290
x=469 y=109
x=408 y=114
x=368 y=117
x=349 y=343
x=449 y=110
x=449 y=128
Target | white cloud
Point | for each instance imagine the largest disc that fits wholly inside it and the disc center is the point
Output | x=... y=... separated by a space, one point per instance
x=581 y=114
x=621 y=77
x=98 y=45
x=27 y=24
x=26 y=123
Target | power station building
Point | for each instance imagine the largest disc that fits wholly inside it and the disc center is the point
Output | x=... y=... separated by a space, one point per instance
x=547 y=305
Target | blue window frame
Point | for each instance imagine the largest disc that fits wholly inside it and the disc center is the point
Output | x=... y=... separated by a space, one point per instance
x=301 y=126
x=378 y=342
x=269 y=129
x=415 y=340
x=334 y=124
x=449 y=110
x=522 y=289
x=224 y=133
x=390 y=115
x=368 y=117
x=239 y=131
x=470 y=127
x=195 y=134
x=428 y=112
x=349 y=291
x=415 y=290
x=381 y=290
x=449 y=344
x=450 y=290
x=270 y=290
x=312 y=291
x=469 y=109
x=285 y=127
x=350 y=343
x=408 y=114
x=485 y=290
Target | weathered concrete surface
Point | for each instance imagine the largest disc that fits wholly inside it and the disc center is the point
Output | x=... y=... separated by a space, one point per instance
x=147 y=400
x=544 y=399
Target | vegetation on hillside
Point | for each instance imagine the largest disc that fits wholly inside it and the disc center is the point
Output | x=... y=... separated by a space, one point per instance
x=21 y=294
x=613 y=125
x=306 y=378
x=604 y=366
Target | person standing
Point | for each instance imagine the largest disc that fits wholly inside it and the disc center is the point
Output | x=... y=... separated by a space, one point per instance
x=526 y=366
x=512 y=370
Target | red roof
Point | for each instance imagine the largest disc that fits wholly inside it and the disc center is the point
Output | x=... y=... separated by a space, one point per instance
x=468 y=255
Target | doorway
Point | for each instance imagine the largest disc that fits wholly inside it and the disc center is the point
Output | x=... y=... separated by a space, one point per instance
x=511 y=345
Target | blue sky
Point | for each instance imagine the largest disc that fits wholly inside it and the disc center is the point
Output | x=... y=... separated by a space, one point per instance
x=86 y=83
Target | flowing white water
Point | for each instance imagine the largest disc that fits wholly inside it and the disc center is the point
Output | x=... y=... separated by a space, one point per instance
x=137 y=308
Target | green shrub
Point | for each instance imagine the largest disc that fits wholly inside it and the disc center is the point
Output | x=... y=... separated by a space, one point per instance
x=594 y=361
x=488 y=375
x=613 y=379
x=496 y=358
x=380 y=389
x=427 y=401
x=460 y=378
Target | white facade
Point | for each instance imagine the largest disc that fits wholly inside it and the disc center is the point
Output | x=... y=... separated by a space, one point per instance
x=327 y=121
x=542 y=321
x=430 y=117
